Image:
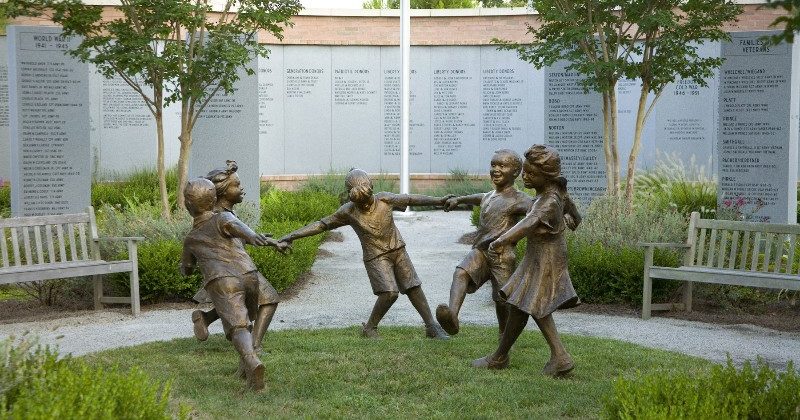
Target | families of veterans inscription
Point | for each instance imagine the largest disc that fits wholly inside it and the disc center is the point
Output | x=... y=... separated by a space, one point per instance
x=49 y=123
x=758 y=129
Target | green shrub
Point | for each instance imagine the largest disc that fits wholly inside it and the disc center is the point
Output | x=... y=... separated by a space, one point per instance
x=35 y=384
x=723 y=393
x=605 y=262
x=283 y=270
x=5 y=201
x=159 y=273
x=139 y=186
x=303 y=206
x=475 y=216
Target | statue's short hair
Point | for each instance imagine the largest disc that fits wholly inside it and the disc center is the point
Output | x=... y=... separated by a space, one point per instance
x=200 y=195
x=357 y=177
x=516 y=158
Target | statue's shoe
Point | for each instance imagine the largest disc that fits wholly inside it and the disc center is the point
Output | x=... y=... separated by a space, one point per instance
x=559 y=366
x=368 y=331
x=254 y=372
x=488 y=362
x=446 y=319
x=200 y=327
x=435 y=330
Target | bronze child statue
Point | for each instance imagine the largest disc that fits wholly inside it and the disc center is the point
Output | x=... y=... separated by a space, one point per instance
x=541 y=284
x=499 y=211
x=229 y=192
x=214 y=245
x=388 y=266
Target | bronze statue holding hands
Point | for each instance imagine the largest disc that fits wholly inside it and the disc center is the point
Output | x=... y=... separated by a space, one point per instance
x=541 y=284
x=388 y=265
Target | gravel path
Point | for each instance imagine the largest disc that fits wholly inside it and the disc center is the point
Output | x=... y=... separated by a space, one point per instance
x=338 y=294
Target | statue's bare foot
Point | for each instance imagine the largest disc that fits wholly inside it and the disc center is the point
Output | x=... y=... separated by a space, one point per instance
x=254 y=371
x=559 y=366
x=200 y=327
x=446 y=319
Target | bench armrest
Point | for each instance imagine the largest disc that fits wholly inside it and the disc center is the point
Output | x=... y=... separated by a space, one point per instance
x=120 y=238
x=662 y=245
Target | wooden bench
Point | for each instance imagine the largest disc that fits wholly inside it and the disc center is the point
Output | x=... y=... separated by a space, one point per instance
x=726 y=252
x=40 y=248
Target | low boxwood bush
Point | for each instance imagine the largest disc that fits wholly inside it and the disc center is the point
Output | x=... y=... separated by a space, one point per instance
x=303 y=206
x=283 y=270
x=36 y=384
x=754 y=392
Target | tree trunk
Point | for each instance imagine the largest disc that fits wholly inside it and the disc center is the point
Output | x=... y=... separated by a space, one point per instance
x=160 y=167
x=607 y=144
x=637 y=145
x=613 y=140
x=183 y=157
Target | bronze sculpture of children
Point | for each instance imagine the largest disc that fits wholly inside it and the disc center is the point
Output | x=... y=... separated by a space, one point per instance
x=541 y=284
x=230 y=278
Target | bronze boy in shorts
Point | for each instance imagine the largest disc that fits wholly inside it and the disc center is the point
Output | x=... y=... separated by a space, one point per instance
x=388 y=266
x=214 y=245
x=499 y=211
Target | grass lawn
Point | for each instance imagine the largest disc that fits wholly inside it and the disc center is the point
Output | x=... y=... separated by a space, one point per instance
x=336 y=373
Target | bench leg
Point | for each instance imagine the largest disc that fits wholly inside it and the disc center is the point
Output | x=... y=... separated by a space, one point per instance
x=135 y=308
x=647 y=289
x=98 y=291
x=687 y=296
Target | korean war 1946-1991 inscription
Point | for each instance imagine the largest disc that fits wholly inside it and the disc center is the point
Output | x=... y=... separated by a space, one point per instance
x=49 y=127
x=574 y=127
x=757 y=154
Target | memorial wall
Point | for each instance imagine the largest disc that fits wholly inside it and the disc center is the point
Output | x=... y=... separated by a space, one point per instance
x=49 y=123
x=758 y=125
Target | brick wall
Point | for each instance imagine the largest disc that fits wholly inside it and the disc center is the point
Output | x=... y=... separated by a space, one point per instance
x=433 y=27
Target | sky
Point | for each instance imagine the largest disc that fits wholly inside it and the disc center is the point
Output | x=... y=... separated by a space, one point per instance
x=332 y=4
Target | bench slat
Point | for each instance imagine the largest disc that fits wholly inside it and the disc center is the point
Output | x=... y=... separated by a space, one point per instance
x=82 y=237
x=15 y=246
x=51 y=250
x=748 y=226
x=73 y=251
x=780 y=243
x=767 y=252
x=734 y=250
x=62 y=251
x=37 y=236
x=745 y=248
x=712 y=249
x=790 y=261
x=756 y=247
x=4 y=246
x=701 y=246
x=62 y=270
x=26 y=245
x=723 y=246
x=44 y=220
x=722 y=276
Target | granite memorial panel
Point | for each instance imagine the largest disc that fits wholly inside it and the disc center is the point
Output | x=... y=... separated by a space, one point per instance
x=420 y=106
x=356 y=108
x=49 y=123
x=574 y=126
x=455 y=108
x=508 y=106
x=270 y=112
x=5 y=144
x=307 y=110
x=228 y=128
x=757 y=145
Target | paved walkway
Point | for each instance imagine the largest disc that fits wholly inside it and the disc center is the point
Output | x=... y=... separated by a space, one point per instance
x=338 y=294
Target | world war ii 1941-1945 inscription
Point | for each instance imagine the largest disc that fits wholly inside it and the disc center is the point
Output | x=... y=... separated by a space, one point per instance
x=757 y=145
x=49 y=123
